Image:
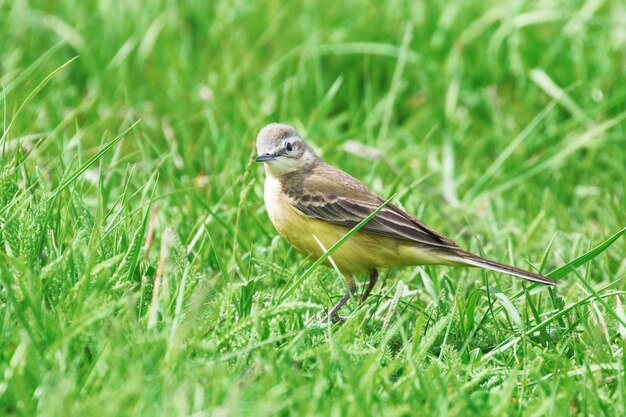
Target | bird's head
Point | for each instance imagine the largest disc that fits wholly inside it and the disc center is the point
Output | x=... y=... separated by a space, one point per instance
x=283 y=150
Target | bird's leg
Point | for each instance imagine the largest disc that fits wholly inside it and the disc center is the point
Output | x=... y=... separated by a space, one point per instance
x=370 y=285
x=368 y=290
x=333 y=313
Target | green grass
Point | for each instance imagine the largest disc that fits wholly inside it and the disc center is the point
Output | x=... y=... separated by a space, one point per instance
x=139 y=272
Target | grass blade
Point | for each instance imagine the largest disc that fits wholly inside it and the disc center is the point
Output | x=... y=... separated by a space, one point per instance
x=508 y=151
x=586 y=257
x=33 y=93
x=592 y=136
x=91 y=160
x=547 y=84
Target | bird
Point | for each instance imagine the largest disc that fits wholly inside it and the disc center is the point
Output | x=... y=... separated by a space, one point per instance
x=313 y=205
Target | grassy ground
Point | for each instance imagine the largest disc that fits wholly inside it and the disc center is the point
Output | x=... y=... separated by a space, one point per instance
x=139 y=273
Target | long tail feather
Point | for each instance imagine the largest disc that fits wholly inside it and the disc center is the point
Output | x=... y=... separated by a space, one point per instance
x=466 y=258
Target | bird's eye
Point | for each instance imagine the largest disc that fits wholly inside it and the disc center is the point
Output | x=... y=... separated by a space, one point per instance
x=289 y=146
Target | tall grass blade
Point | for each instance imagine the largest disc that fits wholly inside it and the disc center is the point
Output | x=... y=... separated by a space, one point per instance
x=91 y=161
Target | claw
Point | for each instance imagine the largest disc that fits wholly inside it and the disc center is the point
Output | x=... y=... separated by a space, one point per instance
x=336 y=318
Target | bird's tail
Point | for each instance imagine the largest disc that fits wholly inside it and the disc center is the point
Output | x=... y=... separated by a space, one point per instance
x=460 y=257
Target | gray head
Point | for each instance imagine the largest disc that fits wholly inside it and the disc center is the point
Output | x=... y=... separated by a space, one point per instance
x=283 y=150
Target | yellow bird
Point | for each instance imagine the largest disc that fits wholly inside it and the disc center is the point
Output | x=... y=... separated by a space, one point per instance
x=312 y=205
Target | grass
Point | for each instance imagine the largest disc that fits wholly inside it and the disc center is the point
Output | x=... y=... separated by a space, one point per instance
x=139 y=272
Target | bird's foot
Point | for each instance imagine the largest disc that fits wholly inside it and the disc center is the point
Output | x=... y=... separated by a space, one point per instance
x=336 y=318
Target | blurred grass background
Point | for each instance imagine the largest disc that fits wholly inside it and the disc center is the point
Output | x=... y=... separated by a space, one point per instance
x=500 y=125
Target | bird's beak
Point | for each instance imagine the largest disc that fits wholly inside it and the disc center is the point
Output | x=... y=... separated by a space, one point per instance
x=266 y=157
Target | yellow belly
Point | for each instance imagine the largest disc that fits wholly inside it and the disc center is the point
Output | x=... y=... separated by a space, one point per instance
x=360 y=254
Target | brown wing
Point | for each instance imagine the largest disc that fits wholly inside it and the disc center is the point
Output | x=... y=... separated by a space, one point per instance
x=328 y=194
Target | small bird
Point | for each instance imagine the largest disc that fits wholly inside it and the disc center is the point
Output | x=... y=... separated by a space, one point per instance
x=313 y=204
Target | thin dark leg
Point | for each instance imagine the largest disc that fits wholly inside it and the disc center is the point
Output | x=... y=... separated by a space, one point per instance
x=370 y=285
x=340 y=303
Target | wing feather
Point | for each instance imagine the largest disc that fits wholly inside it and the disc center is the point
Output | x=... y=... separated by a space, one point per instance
x=333 y=196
